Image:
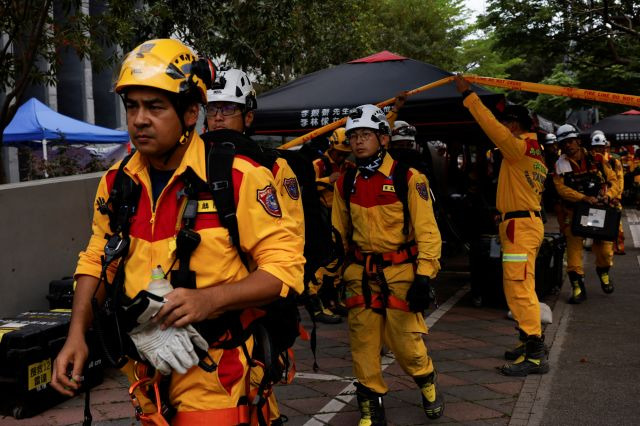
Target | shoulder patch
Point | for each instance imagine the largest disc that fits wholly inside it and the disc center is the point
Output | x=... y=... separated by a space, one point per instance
x=291 y=185
x=267 y=197
x=421 y=187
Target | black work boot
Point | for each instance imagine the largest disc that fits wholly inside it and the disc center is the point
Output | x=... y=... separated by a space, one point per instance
x=605 y=280
x=320 y=313
x=534 y=360
x=432 y=400
x=371 y=408
x=518 y=351
x=578 y=291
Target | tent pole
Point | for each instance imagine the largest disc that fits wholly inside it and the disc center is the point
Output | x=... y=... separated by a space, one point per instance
x=44 y=156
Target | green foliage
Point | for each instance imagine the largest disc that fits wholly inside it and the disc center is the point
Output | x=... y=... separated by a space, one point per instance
x=592 y=43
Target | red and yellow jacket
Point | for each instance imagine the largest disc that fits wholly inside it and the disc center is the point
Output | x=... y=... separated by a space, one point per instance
x=289 y=190
x=567 y=168
x=377 y=217
x=325 y=187
x=523 y=172
x=267 y=235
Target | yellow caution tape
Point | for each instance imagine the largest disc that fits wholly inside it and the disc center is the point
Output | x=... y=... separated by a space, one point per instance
x=549 y=89
x=546 y=89
x=332 y=126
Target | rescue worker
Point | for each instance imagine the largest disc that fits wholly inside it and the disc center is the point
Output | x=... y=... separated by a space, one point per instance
x=389 y=278
x=550 y=197
x=520 y=185
x=579 y=176
x=230 y=105
x=162 y=96
x=600 y=146
x=326 y=294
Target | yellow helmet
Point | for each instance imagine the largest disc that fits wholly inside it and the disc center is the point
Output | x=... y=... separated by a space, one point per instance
x=165 y=64
x=339 y=140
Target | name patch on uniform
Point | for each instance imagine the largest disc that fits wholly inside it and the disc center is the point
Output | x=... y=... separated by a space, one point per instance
x=421 y=187
x=206 y=206
x=267 y=197
x=291 y=185
x=388 y=188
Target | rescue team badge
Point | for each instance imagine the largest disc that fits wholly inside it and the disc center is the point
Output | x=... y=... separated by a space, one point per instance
x=422 y=190
x=291 y=185
x=267 y=197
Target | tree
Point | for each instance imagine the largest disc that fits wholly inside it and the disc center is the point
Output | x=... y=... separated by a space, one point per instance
x=32 y=41
x=595 y=43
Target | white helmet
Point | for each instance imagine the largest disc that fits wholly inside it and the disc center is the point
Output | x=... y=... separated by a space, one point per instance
x=567 y=131
x=233 y=85
x=550 y=139
x=598 y=139
x=368 y=117
x=403 y=131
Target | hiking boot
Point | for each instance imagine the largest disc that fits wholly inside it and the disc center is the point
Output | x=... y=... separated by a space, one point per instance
x=578 y=291
x=432 y=400
x=605 y=280
x=533 y=361
x=320 y=313
x=518 y=351
x=370 y=406
x=280 y=420
x=340 y=309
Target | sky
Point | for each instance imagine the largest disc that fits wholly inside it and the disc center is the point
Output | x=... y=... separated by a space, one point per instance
x=476 y=6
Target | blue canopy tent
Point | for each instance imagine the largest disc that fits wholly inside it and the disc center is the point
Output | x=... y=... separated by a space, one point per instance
x=34 y=121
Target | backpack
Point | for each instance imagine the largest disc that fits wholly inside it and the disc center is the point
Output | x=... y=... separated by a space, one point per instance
x=275 y=332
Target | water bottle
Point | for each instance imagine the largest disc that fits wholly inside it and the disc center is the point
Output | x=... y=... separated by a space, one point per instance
x=159 y=285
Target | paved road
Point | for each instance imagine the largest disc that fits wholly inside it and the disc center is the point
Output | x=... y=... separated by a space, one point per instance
x=593 y=380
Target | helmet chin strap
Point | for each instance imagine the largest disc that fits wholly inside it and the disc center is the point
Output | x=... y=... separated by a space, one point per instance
x=183 y=139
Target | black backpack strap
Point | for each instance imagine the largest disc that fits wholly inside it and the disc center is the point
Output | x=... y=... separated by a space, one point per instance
x=401 y=186
x=219 y=164
x=327 y=165
x=347 y=186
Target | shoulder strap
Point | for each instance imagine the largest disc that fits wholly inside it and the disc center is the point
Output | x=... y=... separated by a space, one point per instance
x=327 y=165
x=123 y=200
x=401 y=186
x=219 y=165
x=347 y=187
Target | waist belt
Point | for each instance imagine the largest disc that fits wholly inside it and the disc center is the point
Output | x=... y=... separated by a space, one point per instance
x=393 y=302
x=520 y=214
x=404 y=254
x=221 y=416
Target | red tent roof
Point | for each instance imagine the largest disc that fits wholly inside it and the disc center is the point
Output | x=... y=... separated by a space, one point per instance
x=631 y=112
x=383 y=56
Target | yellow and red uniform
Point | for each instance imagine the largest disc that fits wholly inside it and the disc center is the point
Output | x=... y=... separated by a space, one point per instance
x=325 y=187
x=600 y=173
x=267 y=234
x=520 y=186
x=289 y=190
x=375 y=223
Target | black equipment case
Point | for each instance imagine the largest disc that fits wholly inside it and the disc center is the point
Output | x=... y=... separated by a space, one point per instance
x=61 y=293
x=550 y=264
x=29 y=343
x=485 y=264
x=597 y=222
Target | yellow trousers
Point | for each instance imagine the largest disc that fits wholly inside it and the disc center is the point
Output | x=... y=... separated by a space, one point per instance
x=320 y=274
x=603 y=250
x=401 y=331
x=198 y=390
x=521 y=239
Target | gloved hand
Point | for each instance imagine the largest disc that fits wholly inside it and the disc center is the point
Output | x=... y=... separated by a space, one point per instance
x=420 y=294
x=169 y=349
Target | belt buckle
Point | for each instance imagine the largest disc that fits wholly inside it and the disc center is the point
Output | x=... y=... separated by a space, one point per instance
x=369 y=266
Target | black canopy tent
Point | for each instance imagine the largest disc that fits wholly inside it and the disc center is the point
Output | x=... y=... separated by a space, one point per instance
x=324 y=96
x=620 y=129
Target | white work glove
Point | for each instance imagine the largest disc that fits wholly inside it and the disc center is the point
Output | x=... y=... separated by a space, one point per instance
x=169 y=349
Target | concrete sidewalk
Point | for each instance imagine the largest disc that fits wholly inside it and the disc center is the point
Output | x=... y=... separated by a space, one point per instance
x=588 y=345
